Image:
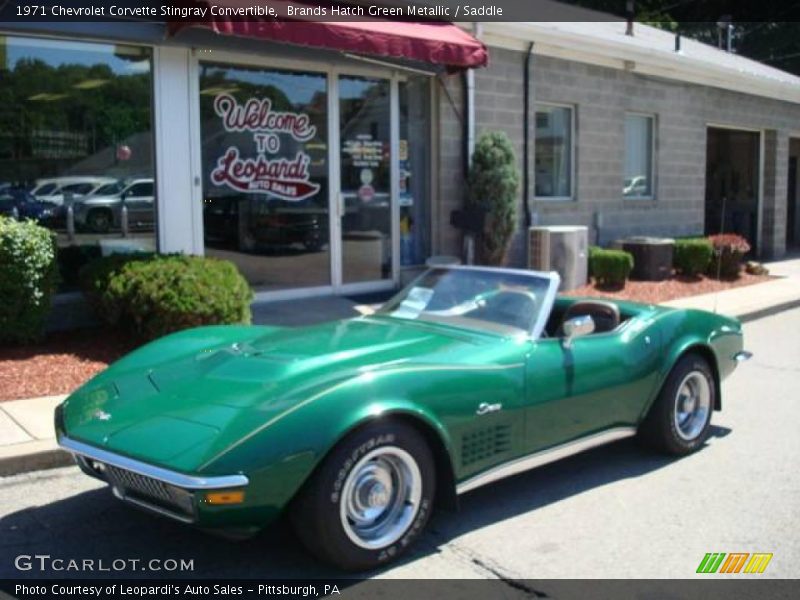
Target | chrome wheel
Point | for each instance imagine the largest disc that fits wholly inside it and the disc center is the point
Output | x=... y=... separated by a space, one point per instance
x=380 y=497
x=692 y=405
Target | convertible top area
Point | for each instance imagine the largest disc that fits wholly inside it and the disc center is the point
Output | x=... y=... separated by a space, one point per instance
x=501 y=301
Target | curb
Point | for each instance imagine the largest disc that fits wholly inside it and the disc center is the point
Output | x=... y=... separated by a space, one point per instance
x=769 y=311
x=46 y=455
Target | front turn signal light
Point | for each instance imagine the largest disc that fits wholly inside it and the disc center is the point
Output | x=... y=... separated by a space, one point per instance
x=217 y=498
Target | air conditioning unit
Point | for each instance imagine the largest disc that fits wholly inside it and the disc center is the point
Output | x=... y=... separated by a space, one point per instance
x=563 y=249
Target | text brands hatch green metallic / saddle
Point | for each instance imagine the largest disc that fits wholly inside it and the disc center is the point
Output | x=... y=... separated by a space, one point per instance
x=358 y=428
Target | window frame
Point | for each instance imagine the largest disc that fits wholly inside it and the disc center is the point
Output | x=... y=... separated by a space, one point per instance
x=572 y=196
x=653 y=117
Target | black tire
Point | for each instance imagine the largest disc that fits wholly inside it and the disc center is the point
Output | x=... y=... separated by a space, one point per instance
x=661 y=429
x=313 y=242
x=99 y=220
x=317 y=512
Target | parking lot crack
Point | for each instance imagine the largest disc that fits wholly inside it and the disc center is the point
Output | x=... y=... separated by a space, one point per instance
x=517 y=584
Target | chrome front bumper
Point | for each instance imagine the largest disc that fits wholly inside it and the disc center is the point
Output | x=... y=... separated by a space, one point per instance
x=147 y=486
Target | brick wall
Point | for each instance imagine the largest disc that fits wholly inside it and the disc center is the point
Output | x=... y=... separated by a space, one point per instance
x=601 y=96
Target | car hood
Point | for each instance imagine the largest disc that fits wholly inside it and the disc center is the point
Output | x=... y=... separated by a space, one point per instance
x=179 y=411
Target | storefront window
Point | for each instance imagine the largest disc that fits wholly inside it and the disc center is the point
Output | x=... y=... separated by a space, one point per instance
x=76 y=147
x=265 y=173
x=414 y=157
x=553 y=152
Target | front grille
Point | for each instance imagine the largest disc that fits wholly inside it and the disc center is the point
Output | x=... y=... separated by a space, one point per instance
x=149 y=491
x=147 y=486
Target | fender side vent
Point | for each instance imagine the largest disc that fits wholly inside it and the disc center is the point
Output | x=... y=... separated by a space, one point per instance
x=485 y=443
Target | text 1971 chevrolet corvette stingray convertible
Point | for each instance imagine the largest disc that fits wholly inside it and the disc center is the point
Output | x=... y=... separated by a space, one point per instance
x=357 y=427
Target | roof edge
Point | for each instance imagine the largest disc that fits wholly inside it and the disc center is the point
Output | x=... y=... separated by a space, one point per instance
x=648 y=61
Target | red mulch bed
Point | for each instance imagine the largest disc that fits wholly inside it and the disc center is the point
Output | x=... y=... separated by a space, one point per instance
x=655 y=292
x=59 y=363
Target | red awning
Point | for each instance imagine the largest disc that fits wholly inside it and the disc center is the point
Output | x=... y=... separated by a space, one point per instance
x=431 y=42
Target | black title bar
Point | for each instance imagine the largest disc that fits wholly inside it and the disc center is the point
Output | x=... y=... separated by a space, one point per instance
x=409 y=10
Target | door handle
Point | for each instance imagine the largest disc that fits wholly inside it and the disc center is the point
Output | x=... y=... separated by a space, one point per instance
x=340 y=205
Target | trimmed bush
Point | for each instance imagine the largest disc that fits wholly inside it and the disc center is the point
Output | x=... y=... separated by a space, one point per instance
x=95 y=278
x=28 y=279
x=692 y=256
x=493 y=182
x=592 y=251
x=154 y=295
x=728 y=251
x=611 y=268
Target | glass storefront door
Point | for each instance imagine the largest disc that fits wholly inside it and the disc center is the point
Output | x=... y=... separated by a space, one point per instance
x=365 y=199
x=264 y=137
x=299 y=183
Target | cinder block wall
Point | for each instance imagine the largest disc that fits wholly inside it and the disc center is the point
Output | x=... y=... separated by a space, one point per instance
x=600 y=97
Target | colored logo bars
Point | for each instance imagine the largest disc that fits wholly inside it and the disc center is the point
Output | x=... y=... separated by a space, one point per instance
x=736 y=562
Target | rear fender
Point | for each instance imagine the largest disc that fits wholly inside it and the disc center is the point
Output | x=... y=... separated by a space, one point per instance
x=715 y=337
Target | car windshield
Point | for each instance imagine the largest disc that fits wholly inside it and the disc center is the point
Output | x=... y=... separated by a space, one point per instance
x=493 y=300
x=45 y=190
x=109 y=189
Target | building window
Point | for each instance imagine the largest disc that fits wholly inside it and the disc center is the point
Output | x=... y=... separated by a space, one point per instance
x=76 y=147
x=554 y=151
x=639 y=171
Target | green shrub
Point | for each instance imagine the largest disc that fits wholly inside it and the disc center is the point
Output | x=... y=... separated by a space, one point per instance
x=728 y=251
x=95 y=278
x=592 y=251
x=493 y=183
x=611 y=268
x=28 y=279
x=156 y=294
x=692 y=256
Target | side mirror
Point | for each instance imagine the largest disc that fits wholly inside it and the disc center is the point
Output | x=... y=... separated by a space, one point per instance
x=576 y=327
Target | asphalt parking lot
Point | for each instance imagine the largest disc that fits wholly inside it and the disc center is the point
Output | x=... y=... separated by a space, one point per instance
x=614 y=512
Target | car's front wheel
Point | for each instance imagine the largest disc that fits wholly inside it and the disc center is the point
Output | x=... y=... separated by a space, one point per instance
x=680 y=418
x=369 y=499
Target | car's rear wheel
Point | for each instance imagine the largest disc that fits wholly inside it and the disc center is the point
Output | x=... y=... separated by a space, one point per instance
x=99 y=220
x=679 y=420
x=369 y=499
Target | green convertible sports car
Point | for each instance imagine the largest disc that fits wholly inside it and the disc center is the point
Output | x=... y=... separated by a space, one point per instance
x=359 y=428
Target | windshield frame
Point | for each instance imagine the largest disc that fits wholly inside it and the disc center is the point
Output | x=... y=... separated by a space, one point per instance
x=536 y=329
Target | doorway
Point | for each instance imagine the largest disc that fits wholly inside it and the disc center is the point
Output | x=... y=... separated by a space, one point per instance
x=733 y=183
x=792 y=198
x=300 y=174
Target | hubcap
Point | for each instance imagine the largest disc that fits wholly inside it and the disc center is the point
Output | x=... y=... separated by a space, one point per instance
x=692 y=405
x=380 y=497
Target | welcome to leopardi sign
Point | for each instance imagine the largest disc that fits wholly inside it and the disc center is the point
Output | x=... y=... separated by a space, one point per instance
x=281 y=177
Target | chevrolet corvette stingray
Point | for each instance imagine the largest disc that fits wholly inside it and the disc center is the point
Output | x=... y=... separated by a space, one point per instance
x=357 y=429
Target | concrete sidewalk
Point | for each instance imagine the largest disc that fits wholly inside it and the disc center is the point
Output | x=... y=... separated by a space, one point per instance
x=27 y=438
x=752 y=301
x=26 y=426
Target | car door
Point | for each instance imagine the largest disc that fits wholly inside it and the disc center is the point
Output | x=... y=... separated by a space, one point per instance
x=597 y=382
x=139 y=200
